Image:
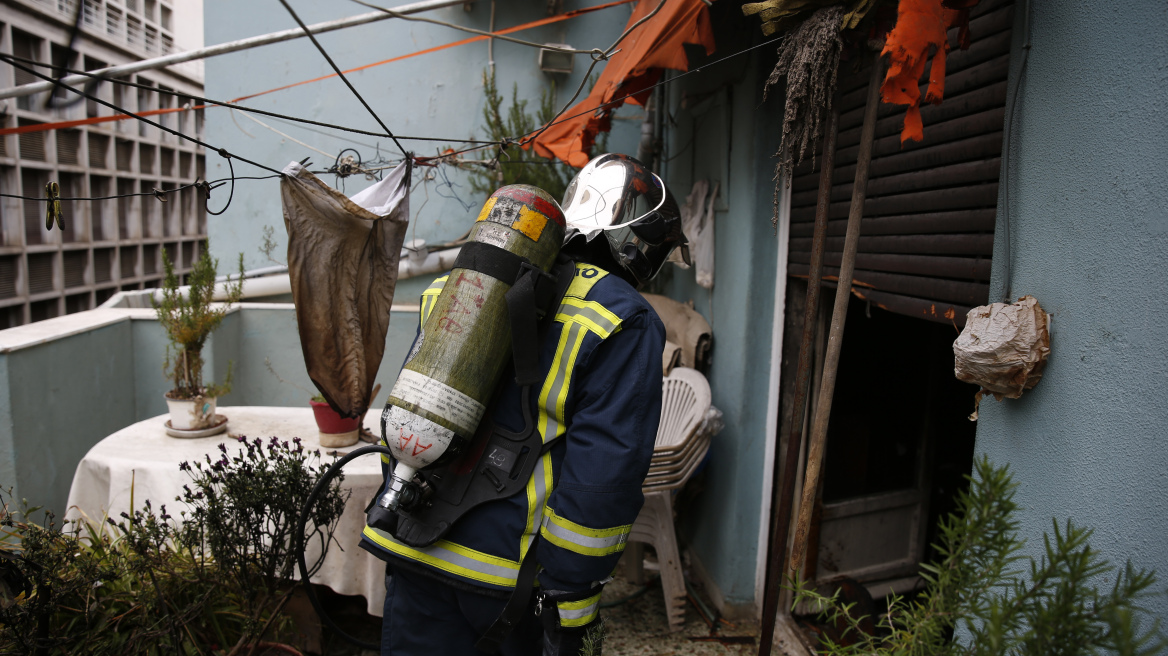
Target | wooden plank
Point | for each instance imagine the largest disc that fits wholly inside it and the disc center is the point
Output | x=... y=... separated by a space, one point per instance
x=980 y=220
x=975 y=77
x=970 y=197
x=946 y=313
x=954 y=291
x=869 y=504
x=937 y=154
x=939 y=177
x=982 y=99
x=942 y=266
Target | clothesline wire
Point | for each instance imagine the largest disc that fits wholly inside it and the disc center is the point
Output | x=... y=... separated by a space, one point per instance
x=451 y=157
x=608 y=52
x=595 y=52
x=201 y=184
x=324 y=53
x=222 y=151
x=242 y=108
x=516 y=28
x=520 y=138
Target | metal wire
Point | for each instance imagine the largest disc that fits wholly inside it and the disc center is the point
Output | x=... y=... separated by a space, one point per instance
x=222 y=151
x=324 y=53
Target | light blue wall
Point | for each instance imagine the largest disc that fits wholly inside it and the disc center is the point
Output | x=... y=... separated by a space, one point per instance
x=59 y=398
x=728 y=137
x=441 y=94
x=62 y=397
x=433 y=95
x=1089 y=239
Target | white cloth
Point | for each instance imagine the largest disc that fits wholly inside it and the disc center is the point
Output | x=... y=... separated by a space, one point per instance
x=141 y=462
x=697 y=222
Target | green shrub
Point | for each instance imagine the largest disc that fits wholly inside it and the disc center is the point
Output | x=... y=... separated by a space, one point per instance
x=212 y=580
x=983 y=597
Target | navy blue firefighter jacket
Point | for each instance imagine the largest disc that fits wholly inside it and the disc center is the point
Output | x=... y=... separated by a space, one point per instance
x=601 y=401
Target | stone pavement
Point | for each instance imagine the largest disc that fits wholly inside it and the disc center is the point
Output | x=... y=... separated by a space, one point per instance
x=639 y=627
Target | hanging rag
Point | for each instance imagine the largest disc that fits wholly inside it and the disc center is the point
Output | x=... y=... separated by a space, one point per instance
x=697 y=222
x=656 y=45
x=686 y=328
x=921 y=25
x=342 y=259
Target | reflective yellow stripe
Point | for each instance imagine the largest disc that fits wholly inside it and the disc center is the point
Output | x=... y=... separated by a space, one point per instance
x=430 y=297
x=578 y=613
x=590 y=314
x=538 y=487
x=554 y=394
x=581 y=539
x=453 y=558
x=587 y=275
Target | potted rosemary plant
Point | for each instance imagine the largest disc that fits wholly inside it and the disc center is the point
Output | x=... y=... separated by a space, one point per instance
x=188 y=317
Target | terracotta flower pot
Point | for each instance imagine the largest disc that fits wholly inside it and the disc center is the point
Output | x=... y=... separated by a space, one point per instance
x=335 y=430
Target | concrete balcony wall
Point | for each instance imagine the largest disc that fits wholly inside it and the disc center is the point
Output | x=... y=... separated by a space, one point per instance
x=68 y=382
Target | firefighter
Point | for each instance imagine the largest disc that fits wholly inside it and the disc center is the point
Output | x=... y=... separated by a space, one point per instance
x=595 y=409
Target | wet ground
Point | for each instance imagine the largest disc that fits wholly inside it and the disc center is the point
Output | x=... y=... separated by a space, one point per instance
x=639 y=627
x=636 y=626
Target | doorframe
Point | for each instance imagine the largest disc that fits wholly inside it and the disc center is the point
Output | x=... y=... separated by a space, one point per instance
x=771 y=427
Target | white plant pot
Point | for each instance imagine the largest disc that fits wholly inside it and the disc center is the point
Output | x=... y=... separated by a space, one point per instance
x=191 y=414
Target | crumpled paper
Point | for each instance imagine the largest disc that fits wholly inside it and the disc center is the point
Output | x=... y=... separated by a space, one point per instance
x=1003 y=348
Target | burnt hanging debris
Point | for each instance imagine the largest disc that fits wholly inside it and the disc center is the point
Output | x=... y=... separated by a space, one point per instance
x=809 y=60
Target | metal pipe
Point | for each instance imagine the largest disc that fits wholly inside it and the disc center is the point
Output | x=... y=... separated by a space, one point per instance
x=231 y=46
x=783 y=494
x=818 y=437
x=275 y=285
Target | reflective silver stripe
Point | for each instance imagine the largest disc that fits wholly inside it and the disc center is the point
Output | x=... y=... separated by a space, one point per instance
x=559 y=382
x=589 y=314
x=451 y=560
x=538 y=478
x=578 y=614
x=471 y=564
x=607 y=544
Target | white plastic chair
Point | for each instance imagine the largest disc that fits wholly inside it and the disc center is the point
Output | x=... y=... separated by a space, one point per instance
x=680 y=448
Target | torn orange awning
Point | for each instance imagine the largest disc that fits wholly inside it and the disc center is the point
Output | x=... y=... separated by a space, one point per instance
x=656 y=45
x=921 y=26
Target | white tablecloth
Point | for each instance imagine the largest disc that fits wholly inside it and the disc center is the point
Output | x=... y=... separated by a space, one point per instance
x=144 y=455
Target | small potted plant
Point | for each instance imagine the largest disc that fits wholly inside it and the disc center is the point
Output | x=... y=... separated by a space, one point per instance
x=188 y=317
x=335 y=431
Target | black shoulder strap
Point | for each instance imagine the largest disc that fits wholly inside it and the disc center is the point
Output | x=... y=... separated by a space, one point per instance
x=516 y=605
x=534 y=295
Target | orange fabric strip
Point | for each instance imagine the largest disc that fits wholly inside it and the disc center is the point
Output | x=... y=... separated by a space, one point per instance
x=41 y=127
x=61 y=125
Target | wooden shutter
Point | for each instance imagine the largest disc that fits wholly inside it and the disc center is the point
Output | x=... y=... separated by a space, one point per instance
x=928 y=226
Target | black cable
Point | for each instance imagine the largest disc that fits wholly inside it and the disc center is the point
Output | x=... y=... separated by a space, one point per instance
x=242 y=108
x=51 y=102
x=210 y=184
x=1009 y=140
x=308 y=33
x=222 y=151
x=302 y=521
x=230 y=194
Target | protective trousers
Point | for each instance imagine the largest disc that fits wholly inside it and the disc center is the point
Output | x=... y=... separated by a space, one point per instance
x=425 y=617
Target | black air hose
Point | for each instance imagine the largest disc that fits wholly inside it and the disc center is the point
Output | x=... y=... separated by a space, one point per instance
x=302 y=521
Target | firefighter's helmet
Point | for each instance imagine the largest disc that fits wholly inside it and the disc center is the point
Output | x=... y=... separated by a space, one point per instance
x=617 y=196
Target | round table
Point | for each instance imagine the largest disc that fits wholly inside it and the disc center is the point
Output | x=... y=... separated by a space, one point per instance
x=141 y=462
